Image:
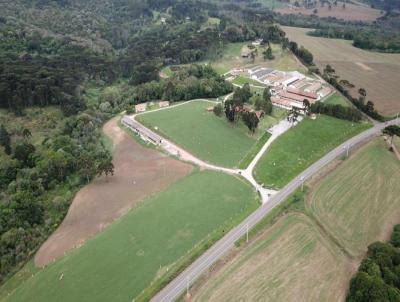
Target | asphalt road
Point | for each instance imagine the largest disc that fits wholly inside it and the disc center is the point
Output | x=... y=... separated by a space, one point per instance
x=179 y=285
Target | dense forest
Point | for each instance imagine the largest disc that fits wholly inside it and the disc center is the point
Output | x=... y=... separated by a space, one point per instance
x=378 y=276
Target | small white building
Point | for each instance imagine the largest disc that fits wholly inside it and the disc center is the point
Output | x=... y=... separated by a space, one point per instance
x=140 y=107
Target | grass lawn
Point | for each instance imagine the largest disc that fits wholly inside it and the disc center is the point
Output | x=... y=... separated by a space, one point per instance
x=396 y=142
x=241 y=80
x=359 y=201
x=336 y=99
x=276 y=116
x=147 y=244
x=245 y=162
x=301 y=146
x=203 y=134
x=289 y=261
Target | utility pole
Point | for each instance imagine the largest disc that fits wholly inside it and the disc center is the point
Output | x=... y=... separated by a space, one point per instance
x=187 y=286
x=247 y=232
x=302 y=183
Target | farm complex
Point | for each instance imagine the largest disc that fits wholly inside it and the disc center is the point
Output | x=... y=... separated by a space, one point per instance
x=290 y=89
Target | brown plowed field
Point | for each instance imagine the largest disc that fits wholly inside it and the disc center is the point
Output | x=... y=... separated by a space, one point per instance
x=139 y=172
x=377 y=72
x=352 y=12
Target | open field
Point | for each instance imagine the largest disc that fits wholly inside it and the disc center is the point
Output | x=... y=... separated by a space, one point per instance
x=376 y=72
x=359 y=202
x=290 y=261
x=396 y=142
x=231 y=58
x=203 y=134
x=352 y=12
x=298 y=254
x=124 y=259
x=138 y=173
x=336 y=99
x=241 y=80
x=40 y=121
x=302 y=145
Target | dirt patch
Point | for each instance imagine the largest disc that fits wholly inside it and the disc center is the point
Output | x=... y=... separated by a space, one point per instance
x=363 y=66
x=139 y=172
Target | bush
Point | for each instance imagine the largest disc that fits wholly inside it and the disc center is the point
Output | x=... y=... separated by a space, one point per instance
x=217 y=110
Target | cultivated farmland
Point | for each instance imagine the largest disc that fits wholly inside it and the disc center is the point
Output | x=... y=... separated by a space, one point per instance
x=376 y=72
x=148 y=243
x=352 y=12
x=201 y=133
x=310 y=251
x=360 y=201
x=290 y=261
x=302 y=145
x=139 y=172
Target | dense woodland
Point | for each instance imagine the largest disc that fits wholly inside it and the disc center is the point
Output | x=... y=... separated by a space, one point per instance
x=378 y=276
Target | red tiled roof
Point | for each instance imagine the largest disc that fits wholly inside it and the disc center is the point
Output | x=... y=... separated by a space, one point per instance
x=302 y=93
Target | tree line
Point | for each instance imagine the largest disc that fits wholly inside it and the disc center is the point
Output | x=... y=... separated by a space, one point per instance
x=378 y=276
x=338 y=111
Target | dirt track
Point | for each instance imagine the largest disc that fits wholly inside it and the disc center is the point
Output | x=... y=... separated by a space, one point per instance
x=139 y=172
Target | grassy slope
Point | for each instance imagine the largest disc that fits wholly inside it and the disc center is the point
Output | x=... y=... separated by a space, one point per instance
x=336 y=99
x=241 y=80
x=302 y=145
x=357 y=200
x=120 y=262
x=202 y=133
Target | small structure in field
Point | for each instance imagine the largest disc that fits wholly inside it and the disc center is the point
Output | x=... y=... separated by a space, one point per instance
x=163 y=104
x=257 y=42
x=210 y=109
x=313 y=116
x=260 y=114
x=140 y=107
x=246 y=52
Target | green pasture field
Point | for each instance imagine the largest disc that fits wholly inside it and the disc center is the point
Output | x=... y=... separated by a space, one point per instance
x=359 y=200
x=336 y=99
x=241 y=80
x=301 y=146
x=203 y=134
x=146 y=246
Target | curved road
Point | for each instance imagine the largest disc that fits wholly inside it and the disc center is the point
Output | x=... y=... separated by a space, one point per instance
x=181 y=283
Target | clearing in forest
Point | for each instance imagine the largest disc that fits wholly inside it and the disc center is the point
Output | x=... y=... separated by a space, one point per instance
x=147 y=244
x=377 y=72
x=295 y=150
x=351 y=12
